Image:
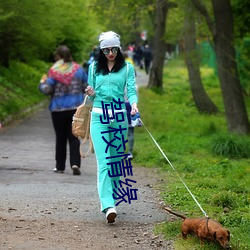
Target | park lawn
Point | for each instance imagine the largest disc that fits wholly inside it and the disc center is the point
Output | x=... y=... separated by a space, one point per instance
x=219 y=182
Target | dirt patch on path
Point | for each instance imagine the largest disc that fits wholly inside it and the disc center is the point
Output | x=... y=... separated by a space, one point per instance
x=31 y=217
x=49 y=234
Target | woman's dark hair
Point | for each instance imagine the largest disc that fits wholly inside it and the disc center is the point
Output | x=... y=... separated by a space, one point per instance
x=63 y=52
x=102 y=67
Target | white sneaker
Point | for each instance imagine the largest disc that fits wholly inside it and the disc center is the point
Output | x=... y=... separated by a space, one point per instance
x=130 y=156
x=111 y=214
x=58 y=171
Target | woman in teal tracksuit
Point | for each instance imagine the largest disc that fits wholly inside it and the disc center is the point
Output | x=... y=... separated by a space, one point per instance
x=108 y=77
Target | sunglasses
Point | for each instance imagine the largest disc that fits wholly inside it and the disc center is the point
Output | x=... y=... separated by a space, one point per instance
x=106 y=51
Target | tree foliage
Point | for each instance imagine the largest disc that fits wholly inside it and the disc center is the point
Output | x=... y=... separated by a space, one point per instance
x=28 y=33
x=175 y=25
x=222 y=30
x=242 y=34
x=33 y=29
x=126 y=17
x=241 y=18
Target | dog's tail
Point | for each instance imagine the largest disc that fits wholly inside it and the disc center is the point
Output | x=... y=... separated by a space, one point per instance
x=175 y=213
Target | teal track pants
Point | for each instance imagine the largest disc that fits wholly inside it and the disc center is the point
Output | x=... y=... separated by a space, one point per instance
x=105 y=183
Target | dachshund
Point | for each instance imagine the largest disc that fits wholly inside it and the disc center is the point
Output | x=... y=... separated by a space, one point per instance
x=204 y=229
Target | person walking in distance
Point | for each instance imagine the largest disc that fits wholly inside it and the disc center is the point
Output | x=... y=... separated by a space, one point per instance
x=147 y=54
x=108 y=78
x=65 y=83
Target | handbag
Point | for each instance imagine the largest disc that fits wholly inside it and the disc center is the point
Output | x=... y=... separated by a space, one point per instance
x=81 y=126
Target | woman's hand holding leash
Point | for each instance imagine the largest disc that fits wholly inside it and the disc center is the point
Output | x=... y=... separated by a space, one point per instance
x=90 y=91
x=134 y=109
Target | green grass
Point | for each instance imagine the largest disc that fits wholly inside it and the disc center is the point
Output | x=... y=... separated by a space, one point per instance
x=214 y=164
x=19 y=88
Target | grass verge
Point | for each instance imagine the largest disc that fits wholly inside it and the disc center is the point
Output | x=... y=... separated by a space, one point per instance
x=214 y=164
x=19 y=89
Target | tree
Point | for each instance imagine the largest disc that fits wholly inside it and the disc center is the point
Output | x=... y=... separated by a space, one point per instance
x=126 y=18
x=28 y=33
x=201 y=99
x=159 y=46
x=241 y=17
x=242 y=33
x=223 y=38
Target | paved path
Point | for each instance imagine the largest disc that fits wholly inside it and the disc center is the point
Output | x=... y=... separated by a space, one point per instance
x=29 y=189
x=26 y=163
x=141 y=78
x=27 y=160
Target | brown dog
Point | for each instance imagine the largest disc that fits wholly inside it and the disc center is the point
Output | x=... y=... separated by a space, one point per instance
x=204 y=229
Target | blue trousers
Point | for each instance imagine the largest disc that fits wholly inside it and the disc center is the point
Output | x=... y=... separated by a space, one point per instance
x=105 y=183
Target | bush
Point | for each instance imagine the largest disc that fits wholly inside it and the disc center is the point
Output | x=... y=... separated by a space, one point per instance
x=231 y=146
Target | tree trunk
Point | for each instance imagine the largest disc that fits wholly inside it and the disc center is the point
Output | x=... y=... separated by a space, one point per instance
x=223 y=38
x=201 y=99
x=159 y=47
x=235 y=109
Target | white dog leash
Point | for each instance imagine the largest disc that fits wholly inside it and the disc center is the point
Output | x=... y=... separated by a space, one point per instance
x=174 y=170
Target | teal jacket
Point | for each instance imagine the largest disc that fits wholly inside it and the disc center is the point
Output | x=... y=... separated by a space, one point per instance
x=113 y=85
